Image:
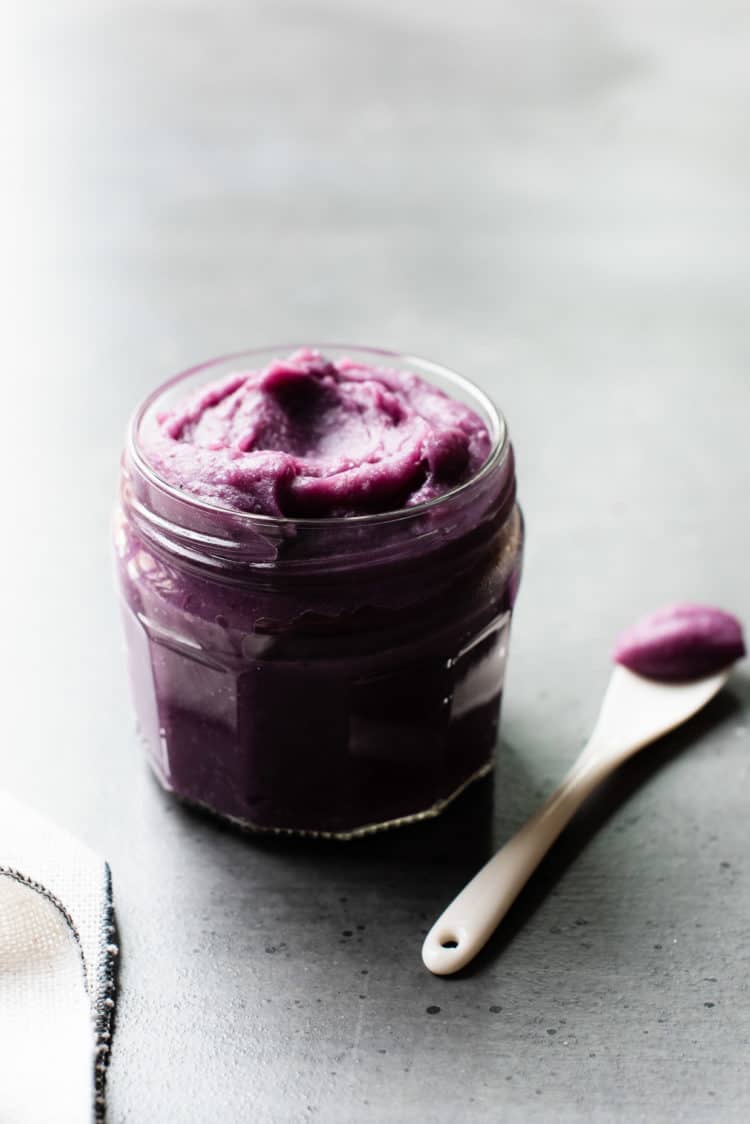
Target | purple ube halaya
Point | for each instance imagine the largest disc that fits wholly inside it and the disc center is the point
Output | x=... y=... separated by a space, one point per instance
x=681 y=642
x=309 y=437
x=318 y=559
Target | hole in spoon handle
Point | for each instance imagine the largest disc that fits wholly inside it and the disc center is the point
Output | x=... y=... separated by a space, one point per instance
x=445 y=949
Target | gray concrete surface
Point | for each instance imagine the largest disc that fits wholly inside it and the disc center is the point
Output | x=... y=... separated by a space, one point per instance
x=553 y=198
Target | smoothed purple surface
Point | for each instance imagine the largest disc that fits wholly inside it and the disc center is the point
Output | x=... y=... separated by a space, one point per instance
x=310 y=437
x=681 y=642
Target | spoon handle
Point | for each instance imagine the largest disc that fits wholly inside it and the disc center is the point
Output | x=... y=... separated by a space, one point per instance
x=472 y=917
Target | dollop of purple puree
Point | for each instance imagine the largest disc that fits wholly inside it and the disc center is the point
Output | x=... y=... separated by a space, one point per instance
x=312 y=437
x=680 y=642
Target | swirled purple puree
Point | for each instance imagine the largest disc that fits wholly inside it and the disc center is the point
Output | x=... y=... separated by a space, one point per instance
x=310 y=437
x=680 y=642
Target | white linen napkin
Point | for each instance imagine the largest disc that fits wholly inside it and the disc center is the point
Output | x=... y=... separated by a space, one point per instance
x=57 y=973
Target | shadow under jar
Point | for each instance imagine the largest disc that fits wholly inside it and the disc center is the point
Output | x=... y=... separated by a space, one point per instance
x=318 y=676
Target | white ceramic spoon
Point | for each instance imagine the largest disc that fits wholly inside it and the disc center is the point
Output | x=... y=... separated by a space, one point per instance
x=635 y=712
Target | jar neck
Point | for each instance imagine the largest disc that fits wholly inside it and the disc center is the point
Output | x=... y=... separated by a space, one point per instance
x=224 y=540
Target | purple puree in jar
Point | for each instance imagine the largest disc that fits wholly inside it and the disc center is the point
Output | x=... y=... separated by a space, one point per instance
x=318 y=559
x=681 y=642
x=308 y=437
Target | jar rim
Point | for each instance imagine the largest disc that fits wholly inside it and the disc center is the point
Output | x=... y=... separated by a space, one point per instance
x=495 y=420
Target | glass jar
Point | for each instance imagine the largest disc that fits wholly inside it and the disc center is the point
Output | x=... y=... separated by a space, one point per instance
x=318 y=676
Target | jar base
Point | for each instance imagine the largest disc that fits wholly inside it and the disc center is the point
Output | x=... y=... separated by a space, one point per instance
x=344 y=836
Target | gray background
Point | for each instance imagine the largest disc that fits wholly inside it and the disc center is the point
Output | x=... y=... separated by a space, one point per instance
x=553 y=198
